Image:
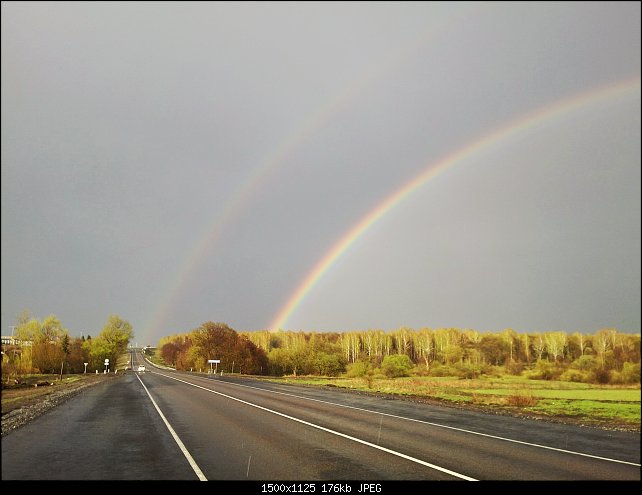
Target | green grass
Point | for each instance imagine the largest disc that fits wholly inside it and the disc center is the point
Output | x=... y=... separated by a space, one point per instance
x=604 y=411
x=604 y=395
x=590 y=404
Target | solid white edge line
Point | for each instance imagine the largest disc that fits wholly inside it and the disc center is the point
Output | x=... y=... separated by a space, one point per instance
x=445 y=426
x=333 y=432
x=187 y=455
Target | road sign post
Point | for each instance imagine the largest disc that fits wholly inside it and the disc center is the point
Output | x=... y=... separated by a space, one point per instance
x=106 y=365
x=214 y=361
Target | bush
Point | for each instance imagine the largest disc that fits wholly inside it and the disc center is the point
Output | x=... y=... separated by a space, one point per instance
x=602 y=376
x=396 y=365
x=586 y=363
x=328 y=364
x=631 y=373
x=443 y=370
x=420 y=370
x=514 y=368
x=468 y=371
x=545 y=370
x=578 y=376
x=616 y=378
x=359 y=369
x=521 y=400
x=493 y=371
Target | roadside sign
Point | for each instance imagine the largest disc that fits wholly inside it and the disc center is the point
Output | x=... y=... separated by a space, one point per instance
x=213 y=360
x=106 y=361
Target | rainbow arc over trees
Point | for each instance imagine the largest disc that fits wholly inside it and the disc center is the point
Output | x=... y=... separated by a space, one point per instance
x=622 y=89
x=237 y=202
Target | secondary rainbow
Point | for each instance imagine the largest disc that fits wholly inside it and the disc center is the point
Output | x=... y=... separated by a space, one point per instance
x=628 y=87
x=312 y=122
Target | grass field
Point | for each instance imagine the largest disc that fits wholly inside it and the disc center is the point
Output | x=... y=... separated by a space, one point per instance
x=597 y=405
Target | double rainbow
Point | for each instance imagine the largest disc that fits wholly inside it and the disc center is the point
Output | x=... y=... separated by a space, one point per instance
x=622 y=89
x=444 y=19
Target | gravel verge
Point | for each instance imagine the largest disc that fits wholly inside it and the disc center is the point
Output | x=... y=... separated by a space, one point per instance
x=33 y=408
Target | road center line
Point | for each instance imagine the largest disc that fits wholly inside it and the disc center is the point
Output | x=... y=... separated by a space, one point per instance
x=181 y=445
x=333 y=432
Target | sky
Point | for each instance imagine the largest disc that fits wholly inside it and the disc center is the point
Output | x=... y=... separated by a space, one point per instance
x=321 y=166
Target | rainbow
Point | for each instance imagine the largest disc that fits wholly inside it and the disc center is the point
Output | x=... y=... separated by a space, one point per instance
x=312 y=123
x=625 y=88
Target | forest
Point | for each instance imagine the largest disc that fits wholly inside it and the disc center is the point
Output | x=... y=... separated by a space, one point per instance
x=606 y=357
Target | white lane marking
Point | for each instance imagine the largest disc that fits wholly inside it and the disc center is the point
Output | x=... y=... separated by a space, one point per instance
x=444 y=426
x=333 y=432
x=181 y=445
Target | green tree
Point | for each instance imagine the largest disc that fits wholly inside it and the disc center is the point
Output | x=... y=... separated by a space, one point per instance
x=47 y=352
x=111 y=343
x=117 y=333
x=329 y=364
x=287 y=361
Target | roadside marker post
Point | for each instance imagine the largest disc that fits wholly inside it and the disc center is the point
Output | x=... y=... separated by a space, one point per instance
x=214 y=361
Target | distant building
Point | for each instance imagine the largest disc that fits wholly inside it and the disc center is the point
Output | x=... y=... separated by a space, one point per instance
x=11 y=340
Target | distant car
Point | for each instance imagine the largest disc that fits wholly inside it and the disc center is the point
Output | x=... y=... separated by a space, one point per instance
x=141 y=367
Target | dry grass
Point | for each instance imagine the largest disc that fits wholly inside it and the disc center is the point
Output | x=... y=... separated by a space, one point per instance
x=521 y=400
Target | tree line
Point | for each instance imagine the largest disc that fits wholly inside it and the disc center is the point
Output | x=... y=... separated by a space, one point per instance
x=608 y=356
x=45 y=346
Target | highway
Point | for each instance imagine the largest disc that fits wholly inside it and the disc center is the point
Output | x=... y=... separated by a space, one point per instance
x=166 y=425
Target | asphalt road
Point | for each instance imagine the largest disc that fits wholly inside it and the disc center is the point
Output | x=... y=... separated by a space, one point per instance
x=165 y=425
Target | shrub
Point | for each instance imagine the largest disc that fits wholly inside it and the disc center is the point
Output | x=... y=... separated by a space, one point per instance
x=603 y=376
x=616 y=378
x=545 y=370
x=514 y=368
x=494 y=371
x=631 y=373
x=443 y=370
x=420 y=371
x=328 y=364
x=521 y=400
x=467 y=370
x=578 y=376
x=359 y=369
x=396 y=365
x=585 y=362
